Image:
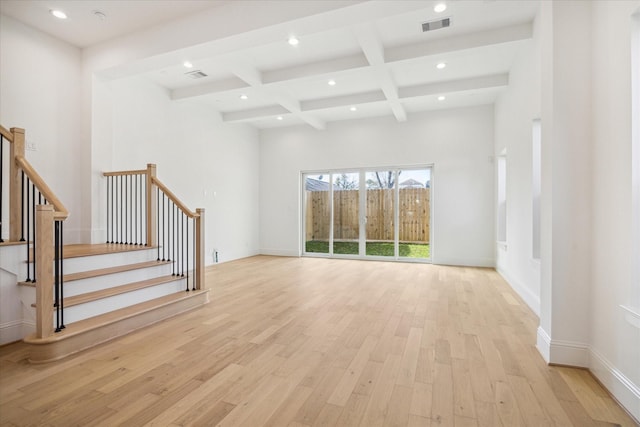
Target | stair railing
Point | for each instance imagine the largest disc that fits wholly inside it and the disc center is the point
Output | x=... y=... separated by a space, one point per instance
x=141 y=210
x=36 y=217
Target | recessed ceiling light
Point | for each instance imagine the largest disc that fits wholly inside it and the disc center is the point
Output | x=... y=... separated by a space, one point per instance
x=440 y=7
x=441 y=98
x=353 y=108
x=243 y=97
x=331 y=82
x=293 y=40
x=58 y=14
x=441 y=65
x=187 y=64
x=279 y=118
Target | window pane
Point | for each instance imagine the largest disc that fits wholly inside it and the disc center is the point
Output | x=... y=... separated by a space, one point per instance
x=414 y=213
x=380 y=187
x=317 y=213
x=346 y=225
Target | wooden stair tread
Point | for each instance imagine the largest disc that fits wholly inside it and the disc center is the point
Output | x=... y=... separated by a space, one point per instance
x=112 y=270
x=80 y=250
x=88 y=333
x=12 y=243
x=117 y=290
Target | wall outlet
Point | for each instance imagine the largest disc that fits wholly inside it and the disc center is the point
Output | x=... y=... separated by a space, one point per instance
x=30 y=146
x=215 y=256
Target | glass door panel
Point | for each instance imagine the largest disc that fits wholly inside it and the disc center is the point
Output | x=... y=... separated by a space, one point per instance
x=346 y=213
x=380 y=213
x=414 y=213
x=317 y=215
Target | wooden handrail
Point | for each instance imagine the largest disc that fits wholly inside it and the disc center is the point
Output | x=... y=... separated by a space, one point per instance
x=174 y=199
x=6 y=134
x=121 y=173
x=61 y=212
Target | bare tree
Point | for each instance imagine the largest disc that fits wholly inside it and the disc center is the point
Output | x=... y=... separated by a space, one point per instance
x=384 y=180
x=344 y=182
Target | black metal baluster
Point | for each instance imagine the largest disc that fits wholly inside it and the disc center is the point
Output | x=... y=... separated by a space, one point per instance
x=173 y=246
x=184 y=216
x=56 y=268
x=61 y=280
x=29 y=255
x=22 y=209
x=33 y=210
x=120 y=203
x=108 y=179
x=131 y=209
x=158 y=221
x=164 y=234
x=143 y=217
x=135 y=209
x=126 y=220
x=187 y=254
x=193 y=281
x=168 y=223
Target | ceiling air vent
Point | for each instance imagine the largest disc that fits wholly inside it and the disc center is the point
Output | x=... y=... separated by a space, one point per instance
x=436 y=25
x=197 y=74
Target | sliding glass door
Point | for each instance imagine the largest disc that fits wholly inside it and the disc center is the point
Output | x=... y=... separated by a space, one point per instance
x=368 y=213
x=380 y=187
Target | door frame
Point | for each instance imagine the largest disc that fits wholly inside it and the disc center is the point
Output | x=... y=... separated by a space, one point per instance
x=362 y=213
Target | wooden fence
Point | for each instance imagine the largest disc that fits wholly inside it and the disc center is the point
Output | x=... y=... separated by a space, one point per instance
x=413 y=221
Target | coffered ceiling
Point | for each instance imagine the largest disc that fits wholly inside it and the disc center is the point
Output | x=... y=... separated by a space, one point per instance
x=342 y=68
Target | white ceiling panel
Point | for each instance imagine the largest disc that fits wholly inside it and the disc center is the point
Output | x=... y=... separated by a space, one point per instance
x=381 y=61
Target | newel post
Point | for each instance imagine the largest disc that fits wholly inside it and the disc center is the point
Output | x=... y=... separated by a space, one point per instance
x=152 y=205
x=44 y=270
x=199 y=236
x=15 y=190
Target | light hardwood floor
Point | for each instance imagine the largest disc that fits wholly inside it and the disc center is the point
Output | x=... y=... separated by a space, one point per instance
x=317 y=342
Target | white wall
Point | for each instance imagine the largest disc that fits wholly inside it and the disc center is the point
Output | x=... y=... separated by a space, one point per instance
x=614 y=340
x=39 y=92
x=206 y=163
x=459 y=143
x=515 y=111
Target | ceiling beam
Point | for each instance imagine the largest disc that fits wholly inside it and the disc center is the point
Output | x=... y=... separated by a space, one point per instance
x=216 y=86
x=371 y=56
x=457 y=43
x=342 y=101
x=254 y=113
x=316 y=68
x=374 y=52
x=495 y=80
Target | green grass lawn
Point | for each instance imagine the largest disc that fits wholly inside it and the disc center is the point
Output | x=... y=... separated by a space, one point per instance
x=409 y=250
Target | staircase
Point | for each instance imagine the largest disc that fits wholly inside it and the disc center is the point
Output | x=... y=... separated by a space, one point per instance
x=78 y=296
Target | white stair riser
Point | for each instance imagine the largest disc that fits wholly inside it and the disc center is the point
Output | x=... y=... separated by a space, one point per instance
x=82 y=286
x=105 y=305
x=96 y=262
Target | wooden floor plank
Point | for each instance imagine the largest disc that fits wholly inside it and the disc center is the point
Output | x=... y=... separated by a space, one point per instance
x=305 y=341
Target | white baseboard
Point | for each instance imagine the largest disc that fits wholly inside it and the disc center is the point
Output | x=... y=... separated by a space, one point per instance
x=531 y=299
x=560 y=352
x=464 y=262
x=622 y=388
x=626 y=392
x=11 y=331
x=543 y=344
x=279 y=252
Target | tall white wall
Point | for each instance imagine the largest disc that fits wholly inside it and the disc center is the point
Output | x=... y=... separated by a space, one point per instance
x=614 y=332
x=39 y=92
x=206 y=163
x=459 y=143
x=515 y=111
